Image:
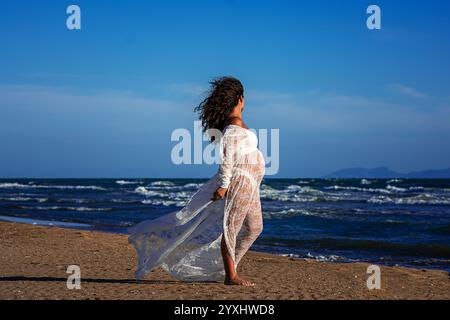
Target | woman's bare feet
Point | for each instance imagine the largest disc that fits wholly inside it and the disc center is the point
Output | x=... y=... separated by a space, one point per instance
x=231 y=277
x=236 y=281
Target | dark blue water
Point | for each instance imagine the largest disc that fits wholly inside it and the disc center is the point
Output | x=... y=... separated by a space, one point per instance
x=404 y=222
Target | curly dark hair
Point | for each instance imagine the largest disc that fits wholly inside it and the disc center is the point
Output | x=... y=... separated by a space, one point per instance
x=223 y=96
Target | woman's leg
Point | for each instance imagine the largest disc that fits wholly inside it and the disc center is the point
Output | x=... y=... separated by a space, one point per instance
x=250 y=231
x=231 y=276
x=239 y=202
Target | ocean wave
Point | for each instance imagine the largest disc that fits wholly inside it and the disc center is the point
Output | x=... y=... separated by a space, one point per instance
x=79 y=201
x=36 y=186
x=124 y=182
x=418 y=199
x=288 y=194
x=302 y=189
x=294 y=212
x=396 y=189
x=316 y=257
x=168 y=186
x=391 y=248
x=422 y=199
x=180 y=195
x=148 y=193
x=14 y=185
x=192 y=186
x=165 y=203
x=275 y=196
x=395 y=222
x=24 y=199
x=365 y=182
x=173 y=194
x=351 y=188
x=417 y=188
x=45 y=222
x=162 y=183
x=125 y=201
x=79 y=209
x=156 y=197
x=296 y=193
x=325 y=258
x=388 y=190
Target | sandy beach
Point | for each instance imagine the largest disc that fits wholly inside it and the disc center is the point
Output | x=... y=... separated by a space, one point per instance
x=34 y=260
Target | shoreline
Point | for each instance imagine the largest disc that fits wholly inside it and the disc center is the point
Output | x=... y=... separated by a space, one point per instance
x=34 y=261
x=93 y=228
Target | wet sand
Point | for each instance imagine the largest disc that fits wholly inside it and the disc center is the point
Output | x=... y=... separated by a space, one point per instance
x=34 y=260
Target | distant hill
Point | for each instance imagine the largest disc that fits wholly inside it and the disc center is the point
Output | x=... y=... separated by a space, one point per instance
x=386 y=173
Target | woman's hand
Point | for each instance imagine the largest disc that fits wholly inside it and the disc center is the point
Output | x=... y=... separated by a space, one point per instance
x=219 y=194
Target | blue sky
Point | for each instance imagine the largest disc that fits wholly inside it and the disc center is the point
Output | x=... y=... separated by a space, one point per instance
x=102 y=101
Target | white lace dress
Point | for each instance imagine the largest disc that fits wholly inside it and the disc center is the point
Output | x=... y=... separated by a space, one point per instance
x=186 y=243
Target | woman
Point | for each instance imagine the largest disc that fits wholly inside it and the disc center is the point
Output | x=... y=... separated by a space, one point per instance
x=223 y=219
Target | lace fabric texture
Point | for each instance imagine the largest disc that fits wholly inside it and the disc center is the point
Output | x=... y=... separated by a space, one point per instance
x=186 y=243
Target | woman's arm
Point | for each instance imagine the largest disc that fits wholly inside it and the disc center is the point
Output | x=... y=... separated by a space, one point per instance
x=226 y=161
x=228 y=155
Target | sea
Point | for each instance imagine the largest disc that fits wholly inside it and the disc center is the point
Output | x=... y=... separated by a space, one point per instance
x=382 y=221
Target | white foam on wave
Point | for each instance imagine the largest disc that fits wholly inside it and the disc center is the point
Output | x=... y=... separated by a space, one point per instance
x=294 y=212
x=24 y=199
x=380 y=200
x=296 y=193
x=163 y=186
x=192 y=185
x=79 y=209
x=122 y=201
x=125 y=182
x=163 y=183
x=166 y=203
x=325 y=258
x=351 y=188
x=8 y=185
x=75 y=200
x=395 y=189
x=390 y=194
x=164 y=198
x=303 y=189
x=319 y=257
x=392 y=221
x=44 y=222
x=389 y=189
x=36 y=186
x=180 y=196
x=148 y=193
x=424 y=199
x=159 y=188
